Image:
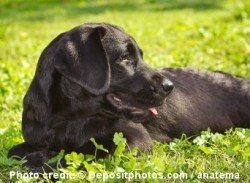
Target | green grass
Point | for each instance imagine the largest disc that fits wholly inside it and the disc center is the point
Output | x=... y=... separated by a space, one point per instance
x=211 y=35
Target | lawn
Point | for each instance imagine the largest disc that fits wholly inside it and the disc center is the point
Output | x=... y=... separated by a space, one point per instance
x=207 y=34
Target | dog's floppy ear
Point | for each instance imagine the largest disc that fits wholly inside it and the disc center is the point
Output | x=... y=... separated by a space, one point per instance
x=83 y=60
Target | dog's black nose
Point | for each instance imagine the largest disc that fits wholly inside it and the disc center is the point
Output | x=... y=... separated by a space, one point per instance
x=167 y=85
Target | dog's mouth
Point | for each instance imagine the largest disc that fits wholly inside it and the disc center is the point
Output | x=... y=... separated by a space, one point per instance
x=122 y=104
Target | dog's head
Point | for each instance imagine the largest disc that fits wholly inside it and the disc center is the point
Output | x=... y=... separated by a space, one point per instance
x=107 y=63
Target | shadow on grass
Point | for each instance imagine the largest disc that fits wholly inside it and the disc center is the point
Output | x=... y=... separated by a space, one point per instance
x=41 y=10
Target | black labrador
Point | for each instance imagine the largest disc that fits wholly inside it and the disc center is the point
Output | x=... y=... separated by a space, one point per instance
x=92 y=82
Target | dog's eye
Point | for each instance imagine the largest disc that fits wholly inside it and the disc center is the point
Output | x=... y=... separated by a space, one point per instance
x=127 y=61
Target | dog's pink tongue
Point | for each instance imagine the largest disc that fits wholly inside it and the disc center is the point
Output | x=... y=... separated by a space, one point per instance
x=153 y=110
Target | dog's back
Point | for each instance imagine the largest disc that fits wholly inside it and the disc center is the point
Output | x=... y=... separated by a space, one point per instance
x=201 y=100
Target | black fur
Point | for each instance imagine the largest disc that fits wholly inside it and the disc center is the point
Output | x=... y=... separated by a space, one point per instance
x=92 y=82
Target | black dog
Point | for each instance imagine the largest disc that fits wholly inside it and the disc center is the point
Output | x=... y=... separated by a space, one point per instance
x=92 y=82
